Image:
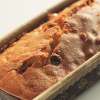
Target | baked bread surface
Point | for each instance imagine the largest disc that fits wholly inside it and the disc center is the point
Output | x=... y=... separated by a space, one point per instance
x=45 y=55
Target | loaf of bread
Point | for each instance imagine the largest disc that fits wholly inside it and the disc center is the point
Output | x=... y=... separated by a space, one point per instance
x=45 y=55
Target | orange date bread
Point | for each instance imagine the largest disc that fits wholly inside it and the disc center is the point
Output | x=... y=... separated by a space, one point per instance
x=45 y=55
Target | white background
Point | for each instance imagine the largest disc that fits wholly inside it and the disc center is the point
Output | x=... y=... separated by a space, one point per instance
x=13 y=13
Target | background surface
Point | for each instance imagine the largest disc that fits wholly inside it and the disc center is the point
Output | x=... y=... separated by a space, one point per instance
x=14 y=13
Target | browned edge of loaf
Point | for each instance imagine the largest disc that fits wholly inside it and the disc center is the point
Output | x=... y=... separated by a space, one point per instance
x=18 y=33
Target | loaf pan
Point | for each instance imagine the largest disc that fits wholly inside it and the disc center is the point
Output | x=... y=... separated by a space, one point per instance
x=68 y=83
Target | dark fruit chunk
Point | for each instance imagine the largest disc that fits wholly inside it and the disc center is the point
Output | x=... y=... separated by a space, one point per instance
x=55 y=59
